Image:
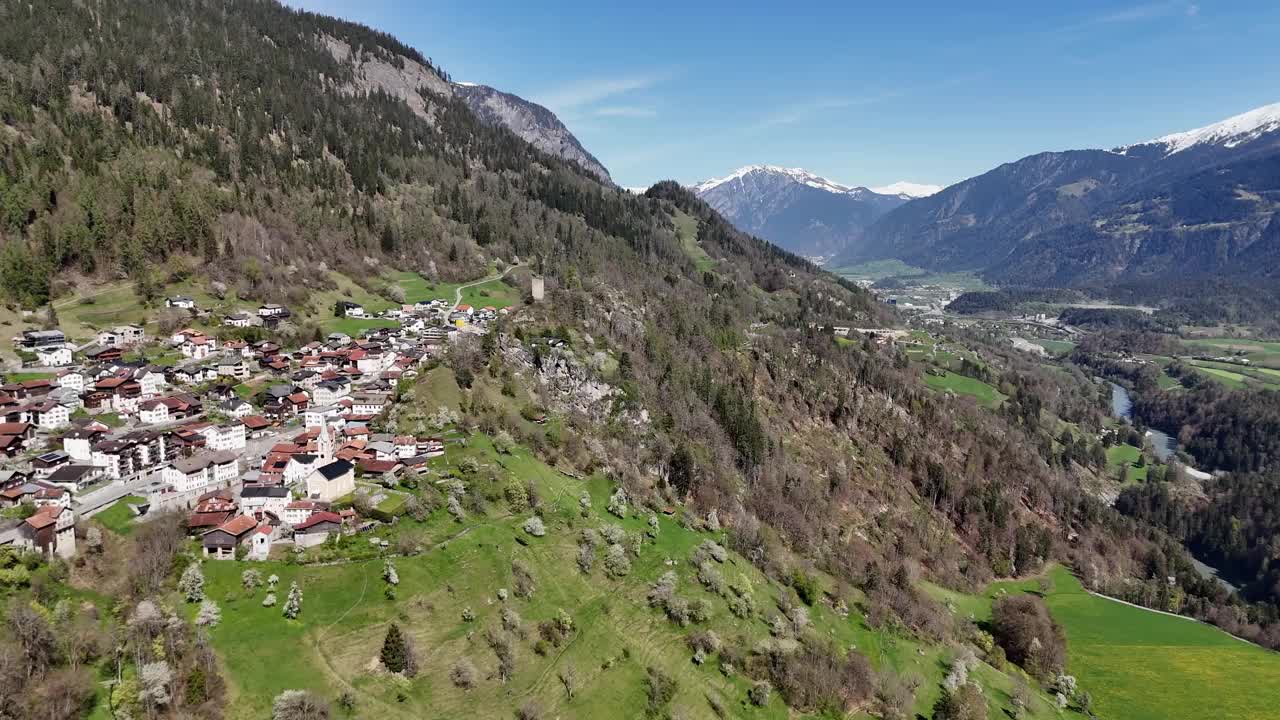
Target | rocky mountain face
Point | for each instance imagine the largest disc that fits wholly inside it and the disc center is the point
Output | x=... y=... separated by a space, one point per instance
x=1196 y=202
x=531 y=122
x=797 y=210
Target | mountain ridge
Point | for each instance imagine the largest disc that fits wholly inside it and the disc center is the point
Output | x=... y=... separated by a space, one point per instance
x=531 y=122
x=797 y=209
x=1093 y=216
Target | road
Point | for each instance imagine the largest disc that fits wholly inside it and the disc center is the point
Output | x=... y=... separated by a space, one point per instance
x=457 y=293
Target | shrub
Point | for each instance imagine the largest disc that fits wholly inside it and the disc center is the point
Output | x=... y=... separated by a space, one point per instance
x=1022 y=625
x=517 y=496
x=759 y=694
x=963 y=703
x=209 y=615
x=535 y=527
x=468 y=615
x=191 y=584
x=463 y=674
x=298 y=705
x=618 y=503
x=389 y=573
x=616 y=563
x=529 y=711
x=293 y=604
x=660 y=688
x=269 y=600
x=711 y=579
x=806 y=586
x=522 y=579
x=251 y=579
x=511 y=621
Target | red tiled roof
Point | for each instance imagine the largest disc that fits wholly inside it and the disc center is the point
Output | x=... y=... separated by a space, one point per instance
x=238 y=525
x=44 y=517
x=317 y=518
x=255 y=422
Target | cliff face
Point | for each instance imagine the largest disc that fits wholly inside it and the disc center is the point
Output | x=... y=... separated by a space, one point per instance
x=534 y=123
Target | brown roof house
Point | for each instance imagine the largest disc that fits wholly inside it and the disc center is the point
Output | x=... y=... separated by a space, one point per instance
x=50 y=531
x=316 y=529
x=221 y=542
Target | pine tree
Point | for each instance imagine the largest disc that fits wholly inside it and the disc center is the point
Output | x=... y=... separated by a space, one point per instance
x=293 y=605
x=394 y=650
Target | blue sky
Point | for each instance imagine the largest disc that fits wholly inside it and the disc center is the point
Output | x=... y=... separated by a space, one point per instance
x=927 y=92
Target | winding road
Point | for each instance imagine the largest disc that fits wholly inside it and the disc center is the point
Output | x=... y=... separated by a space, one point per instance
x=457 y=293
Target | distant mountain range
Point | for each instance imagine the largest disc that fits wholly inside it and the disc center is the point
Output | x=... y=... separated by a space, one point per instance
x=800 y=211
x=532 y=122
x=1196 y=203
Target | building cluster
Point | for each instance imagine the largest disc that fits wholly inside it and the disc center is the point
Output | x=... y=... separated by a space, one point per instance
x=255 y=441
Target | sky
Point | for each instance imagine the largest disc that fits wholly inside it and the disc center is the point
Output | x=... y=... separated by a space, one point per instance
x=861 y=93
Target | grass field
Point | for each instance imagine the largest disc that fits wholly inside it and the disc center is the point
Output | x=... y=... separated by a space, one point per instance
x=1264 y=353
x=495 y=292
x=1239 y=376
x=687 y=231
x=963 y=385
x=1141 y=665
x=118 y=517
x=883 y=269
x=1056 y=347
x=331 y=648
x=1124 y=456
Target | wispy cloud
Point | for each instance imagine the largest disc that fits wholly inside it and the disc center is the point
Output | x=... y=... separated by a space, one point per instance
x=1137 y=14
x=798 y=112
x=583 y=93
x=625 y=111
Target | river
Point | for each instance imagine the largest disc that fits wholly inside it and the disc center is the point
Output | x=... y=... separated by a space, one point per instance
x=1162 y=444
x=1164 y=447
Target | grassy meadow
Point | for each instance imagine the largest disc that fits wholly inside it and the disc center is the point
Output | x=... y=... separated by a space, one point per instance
x=985 y=394
x=1142 y=665
x=333 y=645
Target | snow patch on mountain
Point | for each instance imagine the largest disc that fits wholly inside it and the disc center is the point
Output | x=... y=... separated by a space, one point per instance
x=799 y=175
x=905 y=189
x=1233 y=131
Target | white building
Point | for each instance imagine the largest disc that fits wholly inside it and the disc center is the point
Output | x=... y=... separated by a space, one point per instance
x=225 y=437
x=331 y=391
x=330 y=482
x=70 y=379
x=211 y=468
x=53 y=356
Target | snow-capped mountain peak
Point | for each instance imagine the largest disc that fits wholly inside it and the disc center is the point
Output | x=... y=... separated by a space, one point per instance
x=904 y=189
x=798 y=175
x=1229 y=133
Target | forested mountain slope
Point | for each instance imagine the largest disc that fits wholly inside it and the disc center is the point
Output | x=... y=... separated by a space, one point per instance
x=229 y=141
x=1196 y=204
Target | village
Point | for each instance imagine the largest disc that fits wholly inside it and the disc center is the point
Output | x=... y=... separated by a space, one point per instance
x=258 y=445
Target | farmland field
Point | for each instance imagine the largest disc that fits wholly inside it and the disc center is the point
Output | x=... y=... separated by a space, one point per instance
x=963 y=385
x=1141 y=665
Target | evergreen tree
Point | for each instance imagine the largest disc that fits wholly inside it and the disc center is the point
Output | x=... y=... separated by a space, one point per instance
x=395 y=650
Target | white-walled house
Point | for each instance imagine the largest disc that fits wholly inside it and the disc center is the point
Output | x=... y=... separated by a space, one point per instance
x=153 y=412
x=53 y=356
x=267 y=498
x=331 y=391
x=211 y=468
x=70 y=379
x=228 y=437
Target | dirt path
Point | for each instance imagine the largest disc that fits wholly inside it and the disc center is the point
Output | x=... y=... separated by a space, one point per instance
x=457 y=293
x=100 y=291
